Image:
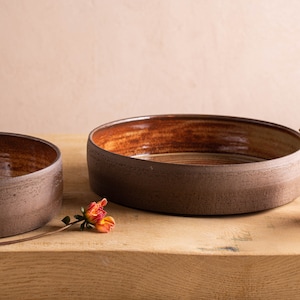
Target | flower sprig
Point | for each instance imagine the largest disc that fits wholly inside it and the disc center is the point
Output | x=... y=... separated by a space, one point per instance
x=93 y=216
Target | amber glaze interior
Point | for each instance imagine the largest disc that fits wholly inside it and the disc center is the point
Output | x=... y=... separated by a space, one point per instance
x=20 y=155
x=197 y=139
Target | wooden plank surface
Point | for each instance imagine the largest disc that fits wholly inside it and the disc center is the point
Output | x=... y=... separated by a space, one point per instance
x=153 y=256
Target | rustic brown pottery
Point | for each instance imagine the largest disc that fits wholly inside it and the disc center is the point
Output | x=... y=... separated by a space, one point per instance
x=30 y=183
x=195 y=164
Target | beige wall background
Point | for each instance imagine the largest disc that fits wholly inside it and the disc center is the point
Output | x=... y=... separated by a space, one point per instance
x=68 y=66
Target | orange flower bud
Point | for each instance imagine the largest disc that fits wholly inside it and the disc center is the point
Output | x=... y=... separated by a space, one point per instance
x=94 y=213
x=106 y=224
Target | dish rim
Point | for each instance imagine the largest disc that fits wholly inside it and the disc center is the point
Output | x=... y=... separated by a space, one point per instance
x=245 y=165
x=6 y=180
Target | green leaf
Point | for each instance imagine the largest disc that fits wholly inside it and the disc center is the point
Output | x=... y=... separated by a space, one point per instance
x=82 y=226
x=66 y=220
x=79 y=217
x=89 y=226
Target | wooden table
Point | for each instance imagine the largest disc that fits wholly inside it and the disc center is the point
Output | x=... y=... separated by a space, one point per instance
x=153 y=256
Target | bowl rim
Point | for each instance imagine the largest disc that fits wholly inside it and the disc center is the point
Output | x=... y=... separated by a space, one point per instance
x=258 y=165
x=35 y=173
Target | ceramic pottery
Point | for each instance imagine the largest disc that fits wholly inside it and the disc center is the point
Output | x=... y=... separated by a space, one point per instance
x=195 y=164
x=31 y=183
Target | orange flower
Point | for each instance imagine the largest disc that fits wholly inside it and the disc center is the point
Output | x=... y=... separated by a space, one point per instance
x=94 y=213
x=106 y=224
x=94 y=216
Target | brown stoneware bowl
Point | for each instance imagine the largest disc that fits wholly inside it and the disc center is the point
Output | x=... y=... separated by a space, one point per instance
x=195 y=164
x=30 y=183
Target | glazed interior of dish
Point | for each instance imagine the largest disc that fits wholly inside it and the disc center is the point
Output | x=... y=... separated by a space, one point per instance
x=20 y=155
x=197 y=140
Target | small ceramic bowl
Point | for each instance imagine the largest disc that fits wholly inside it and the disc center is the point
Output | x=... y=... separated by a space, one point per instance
x=30 y=183
x=195 y=164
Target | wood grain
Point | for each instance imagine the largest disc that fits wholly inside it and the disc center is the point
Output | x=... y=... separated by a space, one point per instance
x=153 y=256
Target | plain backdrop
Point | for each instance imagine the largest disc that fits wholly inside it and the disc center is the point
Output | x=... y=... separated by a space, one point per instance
x=68 y=66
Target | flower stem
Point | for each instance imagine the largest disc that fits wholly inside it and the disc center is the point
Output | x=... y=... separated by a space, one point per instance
x=30 y=238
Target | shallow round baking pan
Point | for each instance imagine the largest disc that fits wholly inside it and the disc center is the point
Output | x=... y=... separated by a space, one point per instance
x=31 y=183
x=195 y=164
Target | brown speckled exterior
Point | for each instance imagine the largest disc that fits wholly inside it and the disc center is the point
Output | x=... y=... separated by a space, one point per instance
x=211 y=187
x=31 y=183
